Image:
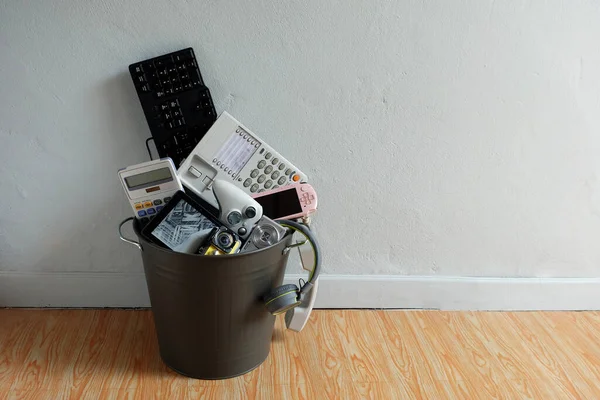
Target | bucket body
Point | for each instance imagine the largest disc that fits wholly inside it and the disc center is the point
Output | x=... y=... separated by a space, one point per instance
x=208 y=311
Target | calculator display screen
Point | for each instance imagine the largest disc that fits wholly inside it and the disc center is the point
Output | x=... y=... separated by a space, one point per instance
x=149 y=178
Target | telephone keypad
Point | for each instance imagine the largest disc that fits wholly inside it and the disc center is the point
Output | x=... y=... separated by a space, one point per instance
x=269 y=175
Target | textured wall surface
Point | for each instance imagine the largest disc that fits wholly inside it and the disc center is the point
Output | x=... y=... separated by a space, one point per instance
x=450 y=138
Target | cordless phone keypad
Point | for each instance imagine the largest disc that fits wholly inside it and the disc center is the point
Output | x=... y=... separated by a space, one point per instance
x=176 y=103
x=270 y=173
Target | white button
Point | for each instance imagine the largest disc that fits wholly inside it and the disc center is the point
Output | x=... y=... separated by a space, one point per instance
x=195 y=172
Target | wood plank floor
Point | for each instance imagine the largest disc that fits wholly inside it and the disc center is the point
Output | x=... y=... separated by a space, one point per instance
x=341 y=354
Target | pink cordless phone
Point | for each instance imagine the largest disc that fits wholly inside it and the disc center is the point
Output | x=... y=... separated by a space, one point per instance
x=288 y=202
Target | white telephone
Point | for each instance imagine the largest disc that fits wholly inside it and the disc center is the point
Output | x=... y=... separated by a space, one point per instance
x=231 y=152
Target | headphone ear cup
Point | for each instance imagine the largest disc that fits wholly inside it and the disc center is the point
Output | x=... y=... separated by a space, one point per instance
x=283 y=298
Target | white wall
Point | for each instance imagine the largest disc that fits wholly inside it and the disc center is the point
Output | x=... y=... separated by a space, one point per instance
x=444 y=138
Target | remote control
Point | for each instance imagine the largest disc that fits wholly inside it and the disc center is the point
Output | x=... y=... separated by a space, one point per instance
x=177 y=105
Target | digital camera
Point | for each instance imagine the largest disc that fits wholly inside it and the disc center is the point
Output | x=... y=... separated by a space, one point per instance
x=220 y=241
x=266 y=233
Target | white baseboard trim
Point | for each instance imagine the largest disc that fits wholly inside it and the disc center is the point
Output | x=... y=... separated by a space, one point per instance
x=80 y=289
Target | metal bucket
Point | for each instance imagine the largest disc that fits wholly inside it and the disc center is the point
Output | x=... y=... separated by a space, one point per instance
x=208 y=311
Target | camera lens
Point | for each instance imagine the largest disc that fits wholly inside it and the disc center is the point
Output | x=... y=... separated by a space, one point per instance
x=234 y=218
x=250 y=212
x=224 y=239
x=264 y=236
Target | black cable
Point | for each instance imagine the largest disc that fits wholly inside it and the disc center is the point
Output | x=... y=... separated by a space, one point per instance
x=148 y=147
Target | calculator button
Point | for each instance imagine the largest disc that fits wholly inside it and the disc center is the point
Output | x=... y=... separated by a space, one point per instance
x=139 y=206
x=275 y=175
x=148 y=204
x=282 y=180
x=254 y=173
x=275 y=161
x=288 y=171
x=268 y=184
x=254 y=188
x=261 y=164
x=142 y=213
x=261 y=178
x=268 y=156
x=151 y=211
x=158 y=208
x=157 y=202
x=281 y=166
x=268 y=169
x=167 y=199
x=247 y=182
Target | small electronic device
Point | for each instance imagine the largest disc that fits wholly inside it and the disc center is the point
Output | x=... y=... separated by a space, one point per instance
x=287 y=297
x=266 y=233
x=220 y=241
x=149 y=186
x=180 y=220
x=237 y=210
x=176 y=103
x=231 y=152
x=288 y=202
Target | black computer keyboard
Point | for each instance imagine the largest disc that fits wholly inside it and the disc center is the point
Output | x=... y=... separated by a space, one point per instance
x=177 y=105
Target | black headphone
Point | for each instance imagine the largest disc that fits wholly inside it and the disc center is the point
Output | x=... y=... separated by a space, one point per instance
x=286 y=297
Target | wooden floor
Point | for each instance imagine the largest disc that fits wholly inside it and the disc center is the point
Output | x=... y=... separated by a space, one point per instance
x=93 y=354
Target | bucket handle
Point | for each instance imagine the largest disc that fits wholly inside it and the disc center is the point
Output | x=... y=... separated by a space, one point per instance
x=291 y=246
x=123 y=238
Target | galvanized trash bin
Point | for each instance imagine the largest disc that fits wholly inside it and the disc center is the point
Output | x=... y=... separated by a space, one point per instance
x=208 y=311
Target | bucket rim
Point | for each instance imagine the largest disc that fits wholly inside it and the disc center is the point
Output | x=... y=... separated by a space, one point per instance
x=285 y=240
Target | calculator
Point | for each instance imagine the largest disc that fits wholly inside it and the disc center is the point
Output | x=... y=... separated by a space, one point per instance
x=177 y=105
x=149 y=186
